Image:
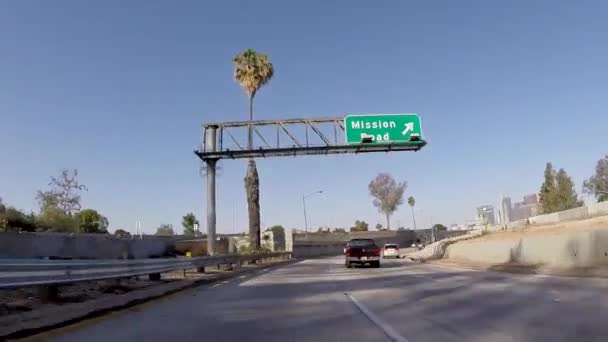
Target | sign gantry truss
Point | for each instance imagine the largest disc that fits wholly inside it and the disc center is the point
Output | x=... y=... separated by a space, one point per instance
x=291 y=137
x=297 y=137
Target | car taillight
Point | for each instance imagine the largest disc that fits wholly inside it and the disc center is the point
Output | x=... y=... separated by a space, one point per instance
x=377 y=251
x=348 y=251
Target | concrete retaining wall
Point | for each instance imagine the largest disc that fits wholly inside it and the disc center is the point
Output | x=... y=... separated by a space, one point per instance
x=82 y=246
x=556 y=249
x=514 y=225
x=326 y=244
x=198 y=247
x=314 y=249
x=402 y=238
x=394 y=236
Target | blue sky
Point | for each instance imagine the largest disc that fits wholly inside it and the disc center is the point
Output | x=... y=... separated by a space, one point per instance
x=119 y=89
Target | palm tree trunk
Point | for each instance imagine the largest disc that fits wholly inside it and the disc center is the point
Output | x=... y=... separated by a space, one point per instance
x=414 y=218
x=252 y=187
x=388 y=221
x=250 y=130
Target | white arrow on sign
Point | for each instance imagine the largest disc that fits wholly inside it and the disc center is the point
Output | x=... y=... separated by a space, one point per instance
x=408 y=127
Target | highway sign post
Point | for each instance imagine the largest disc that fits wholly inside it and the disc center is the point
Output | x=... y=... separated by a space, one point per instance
x=382 y=128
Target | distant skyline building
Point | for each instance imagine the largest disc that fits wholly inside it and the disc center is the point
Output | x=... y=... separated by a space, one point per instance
x=485 y=213
x=525 y=209
x=530 y=199
x=506 y=210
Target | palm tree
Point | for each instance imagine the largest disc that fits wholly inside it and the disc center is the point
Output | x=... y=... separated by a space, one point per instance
x=412 y=202
x=252 y=70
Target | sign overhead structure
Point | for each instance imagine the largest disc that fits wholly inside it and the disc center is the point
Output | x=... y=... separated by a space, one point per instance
x=303 y=136
x=382 y=128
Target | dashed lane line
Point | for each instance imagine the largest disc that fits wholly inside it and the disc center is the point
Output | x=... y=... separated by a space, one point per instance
x=391 y=333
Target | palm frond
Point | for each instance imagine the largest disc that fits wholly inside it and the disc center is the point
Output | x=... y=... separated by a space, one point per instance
x=252 y=70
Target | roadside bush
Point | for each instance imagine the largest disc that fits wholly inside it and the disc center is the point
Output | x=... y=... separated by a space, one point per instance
x=53 y=219
x=252 y=250
x=13 y=220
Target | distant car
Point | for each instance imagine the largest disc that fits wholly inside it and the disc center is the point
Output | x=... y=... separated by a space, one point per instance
x=362 y=251
x=419 y=246
x=390 y=250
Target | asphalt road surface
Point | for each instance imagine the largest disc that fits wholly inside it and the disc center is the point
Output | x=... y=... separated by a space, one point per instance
x=320 y=300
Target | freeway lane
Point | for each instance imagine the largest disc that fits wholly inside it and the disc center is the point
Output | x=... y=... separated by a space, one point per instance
x=306 y=301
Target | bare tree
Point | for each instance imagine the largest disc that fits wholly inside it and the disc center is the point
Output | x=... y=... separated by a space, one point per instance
x=165 y=230
x=360 y=226
x=388 y=195
x=64 y=193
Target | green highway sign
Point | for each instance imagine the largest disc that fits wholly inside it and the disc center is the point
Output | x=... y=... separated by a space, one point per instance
x=382 y=128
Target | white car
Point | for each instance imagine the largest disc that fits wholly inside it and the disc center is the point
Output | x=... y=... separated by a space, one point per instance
x=390 y=250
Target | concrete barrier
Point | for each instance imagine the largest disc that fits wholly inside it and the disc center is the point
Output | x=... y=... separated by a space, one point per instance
x=598 y=209
x=589 y=211
x=544 y=219
x=519 y=224
x=437 y=250
x=82 y=246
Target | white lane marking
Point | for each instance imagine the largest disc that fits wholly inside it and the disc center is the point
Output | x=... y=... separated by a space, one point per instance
x=216 y=285
x=387 y=329
x=243 y=276
x=225 y=281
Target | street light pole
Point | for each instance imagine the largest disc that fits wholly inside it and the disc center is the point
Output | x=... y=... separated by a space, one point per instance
x=305 y=219
x=304 y=207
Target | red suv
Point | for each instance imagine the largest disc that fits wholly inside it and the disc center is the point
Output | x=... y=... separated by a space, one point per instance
x=362 y=251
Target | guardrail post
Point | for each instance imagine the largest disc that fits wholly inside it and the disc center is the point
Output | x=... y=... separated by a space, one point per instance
x=48 y=293
x=154 y=276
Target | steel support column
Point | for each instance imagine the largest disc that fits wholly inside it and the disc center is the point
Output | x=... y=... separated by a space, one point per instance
x=210 y=145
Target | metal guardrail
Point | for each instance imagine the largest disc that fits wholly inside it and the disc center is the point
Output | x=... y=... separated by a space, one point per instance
x=15 y=273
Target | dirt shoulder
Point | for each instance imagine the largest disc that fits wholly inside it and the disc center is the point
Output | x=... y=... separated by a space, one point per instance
x=596 y=272
x=23 y=313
